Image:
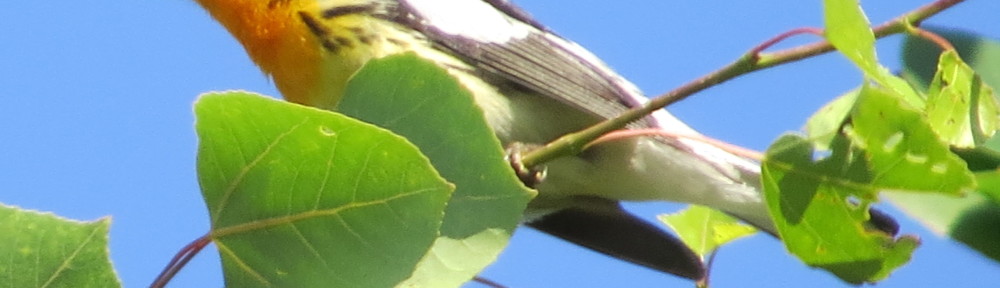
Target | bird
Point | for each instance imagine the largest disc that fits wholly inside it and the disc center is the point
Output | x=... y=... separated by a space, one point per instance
x=533 y=87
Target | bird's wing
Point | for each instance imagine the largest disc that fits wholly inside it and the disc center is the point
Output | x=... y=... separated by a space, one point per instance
x=501 y=39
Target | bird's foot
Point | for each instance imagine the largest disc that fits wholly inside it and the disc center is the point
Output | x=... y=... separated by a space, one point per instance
x=530 y=176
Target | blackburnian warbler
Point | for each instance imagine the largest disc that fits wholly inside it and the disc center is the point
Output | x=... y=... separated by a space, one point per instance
x=533 y=87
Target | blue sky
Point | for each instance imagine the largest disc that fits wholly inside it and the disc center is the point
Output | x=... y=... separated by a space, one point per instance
x=96 y=121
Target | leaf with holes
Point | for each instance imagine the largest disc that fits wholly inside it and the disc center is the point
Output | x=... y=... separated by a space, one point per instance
x=300 y=197
x=44 y=250
x=903 y=150
x=820 y=208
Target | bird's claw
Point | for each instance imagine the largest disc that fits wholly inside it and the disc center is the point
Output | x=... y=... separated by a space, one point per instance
x=529 y=176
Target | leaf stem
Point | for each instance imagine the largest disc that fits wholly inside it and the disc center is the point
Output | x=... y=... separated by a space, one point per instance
x=487 y=282
x=703 y=282
x=753 y=60
x=180 y=259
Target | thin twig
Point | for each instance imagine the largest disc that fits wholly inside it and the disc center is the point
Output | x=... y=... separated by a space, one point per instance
x=574 y=143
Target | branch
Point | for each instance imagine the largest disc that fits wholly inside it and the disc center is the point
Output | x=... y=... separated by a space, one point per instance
x=754 y=60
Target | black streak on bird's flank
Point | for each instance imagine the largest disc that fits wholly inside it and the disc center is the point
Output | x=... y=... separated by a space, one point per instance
x=349 y=9
x=363 y=36
x=319 y=30
x=343 y=42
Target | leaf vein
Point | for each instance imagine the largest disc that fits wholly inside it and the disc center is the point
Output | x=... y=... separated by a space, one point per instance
x=76 y=252
x=246 y=169
x=275 y=221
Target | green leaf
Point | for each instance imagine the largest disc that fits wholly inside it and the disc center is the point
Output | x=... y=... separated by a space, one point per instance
x=981 y=53
x=960 y=107
x=820 y=209
x=301 y=197
x=419 y=100
x=821 y=206
x=705 y=229
x=44 y=250
x=903 y=150
x=848 y=30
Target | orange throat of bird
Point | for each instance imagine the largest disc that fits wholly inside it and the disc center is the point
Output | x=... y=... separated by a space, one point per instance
x=281 y=45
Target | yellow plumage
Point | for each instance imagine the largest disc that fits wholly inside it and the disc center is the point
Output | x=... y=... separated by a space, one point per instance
x=283 y=47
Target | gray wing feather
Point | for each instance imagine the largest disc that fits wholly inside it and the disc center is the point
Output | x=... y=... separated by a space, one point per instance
x=546 y=68
x=540 y=62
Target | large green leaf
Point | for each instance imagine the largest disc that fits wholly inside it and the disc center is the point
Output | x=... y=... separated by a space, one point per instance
x=44 y=250
x=421 y=101
x=879 y=138
x=301 y=197
x=820 y=206
x=820 y=209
